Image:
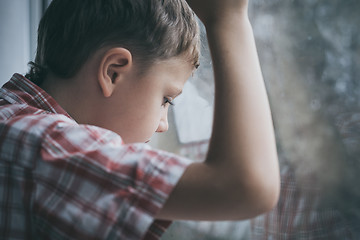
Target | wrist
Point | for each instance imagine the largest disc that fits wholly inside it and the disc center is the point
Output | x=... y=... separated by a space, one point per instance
x=226 y=20
x=231 y=26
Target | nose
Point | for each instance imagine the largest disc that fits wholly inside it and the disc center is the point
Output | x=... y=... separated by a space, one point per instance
x=163 y=124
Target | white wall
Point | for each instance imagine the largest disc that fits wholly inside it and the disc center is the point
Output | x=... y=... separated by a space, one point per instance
x=14 y=37
x=18 y=26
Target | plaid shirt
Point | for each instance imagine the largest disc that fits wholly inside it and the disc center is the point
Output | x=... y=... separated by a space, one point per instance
x=62 y=180
x=299 y=214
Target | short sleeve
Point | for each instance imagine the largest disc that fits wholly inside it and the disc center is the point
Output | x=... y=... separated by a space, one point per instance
x=90 y=185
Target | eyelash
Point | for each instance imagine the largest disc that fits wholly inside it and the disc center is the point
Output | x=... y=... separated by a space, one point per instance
x=166 y=100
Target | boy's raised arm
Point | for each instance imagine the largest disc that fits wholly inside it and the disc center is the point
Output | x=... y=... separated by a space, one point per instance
x=239 y=178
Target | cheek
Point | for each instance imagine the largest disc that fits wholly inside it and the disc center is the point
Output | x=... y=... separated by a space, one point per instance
x=145 y=124
x=153 y=120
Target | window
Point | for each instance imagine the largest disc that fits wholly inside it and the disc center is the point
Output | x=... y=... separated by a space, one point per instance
x=18 y=34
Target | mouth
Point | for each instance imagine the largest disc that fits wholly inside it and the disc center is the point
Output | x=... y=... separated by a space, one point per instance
x=147 y=141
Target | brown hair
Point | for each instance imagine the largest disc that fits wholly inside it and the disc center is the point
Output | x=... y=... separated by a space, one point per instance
x=72 y=30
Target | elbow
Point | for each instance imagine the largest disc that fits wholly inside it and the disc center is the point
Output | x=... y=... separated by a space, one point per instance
x=264 y=196
x=270 y=197
x=264 y=188
x=259 y=196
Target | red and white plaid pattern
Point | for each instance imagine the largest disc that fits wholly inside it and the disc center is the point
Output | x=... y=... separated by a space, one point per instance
x=62 y=180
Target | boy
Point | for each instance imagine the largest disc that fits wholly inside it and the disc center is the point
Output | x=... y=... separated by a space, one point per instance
x=72 y=162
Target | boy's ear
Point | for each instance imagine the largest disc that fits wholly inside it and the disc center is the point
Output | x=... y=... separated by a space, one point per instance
x=115 y=63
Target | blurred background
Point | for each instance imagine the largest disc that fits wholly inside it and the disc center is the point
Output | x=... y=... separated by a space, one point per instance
x=310 y=56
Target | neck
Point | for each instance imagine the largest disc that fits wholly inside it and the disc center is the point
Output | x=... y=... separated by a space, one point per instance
x=80 y=96
x=73 y=96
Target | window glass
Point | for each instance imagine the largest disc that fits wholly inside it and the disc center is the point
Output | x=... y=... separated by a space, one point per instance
x=310 y=56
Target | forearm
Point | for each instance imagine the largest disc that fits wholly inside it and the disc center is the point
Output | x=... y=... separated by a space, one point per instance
x=239 y=178
x=243 y=138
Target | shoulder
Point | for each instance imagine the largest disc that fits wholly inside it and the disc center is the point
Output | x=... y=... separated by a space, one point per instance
x=105 y=150
x=119 y=182
x=22 y=133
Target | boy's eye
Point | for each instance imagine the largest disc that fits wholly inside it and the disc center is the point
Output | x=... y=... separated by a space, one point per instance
x=167 y=100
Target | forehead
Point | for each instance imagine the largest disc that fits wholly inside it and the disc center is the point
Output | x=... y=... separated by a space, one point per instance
x=176 y=70
x=174 y=64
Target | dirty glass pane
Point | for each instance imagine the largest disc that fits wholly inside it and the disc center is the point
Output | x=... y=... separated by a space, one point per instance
x=310 y=56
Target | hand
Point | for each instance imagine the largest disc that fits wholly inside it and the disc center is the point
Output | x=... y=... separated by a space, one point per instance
x=210 y=11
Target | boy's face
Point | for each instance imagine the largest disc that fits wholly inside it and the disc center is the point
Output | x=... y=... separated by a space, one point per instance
x=140 y=104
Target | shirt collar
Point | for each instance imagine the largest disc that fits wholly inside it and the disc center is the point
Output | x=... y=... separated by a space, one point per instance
x=20 y=90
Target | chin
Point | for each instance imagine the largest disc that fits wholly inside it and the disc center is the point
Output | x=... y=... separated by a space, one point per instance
x=131 y=141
